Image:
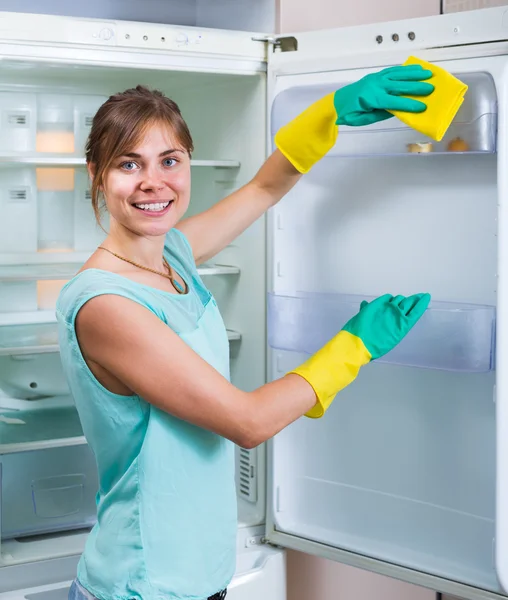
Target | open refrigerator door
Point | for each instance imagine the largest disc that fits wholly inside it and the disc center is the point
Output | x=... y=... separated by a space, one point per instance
x=399 y=477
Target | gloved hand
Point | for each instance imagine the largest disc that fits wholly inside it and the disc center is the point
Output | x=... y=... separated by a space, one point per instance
x=308 y=137
x=375 y=330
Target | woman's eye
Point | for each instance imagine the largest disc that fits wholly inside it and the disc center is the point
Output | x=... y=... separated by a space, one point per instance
x=128 y=166
x=169 y=162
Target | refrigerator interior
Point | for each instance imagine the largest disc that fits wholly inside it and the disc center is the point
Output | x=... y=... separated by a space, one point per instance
x=402 y=466
x=47 y=230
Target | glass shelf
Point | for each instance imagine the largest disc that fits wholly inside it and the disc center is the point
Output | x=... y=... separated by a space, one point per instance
x=63 y=160
x=64 y=271
x=28 y=339
x=42 y=272
x=211 y=269
x=33 y=426
x=449 y=336
x=42 y=338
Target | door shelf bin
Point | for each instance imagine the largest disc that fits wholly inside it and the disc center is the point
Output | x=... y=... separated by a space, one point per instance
x=47 y=490
x=449 y=336
x=476 y=137
x=475 y=123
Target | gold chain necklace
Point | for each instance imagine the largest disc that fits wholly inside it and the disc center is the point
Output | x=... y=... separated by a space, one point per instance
x=179 y=289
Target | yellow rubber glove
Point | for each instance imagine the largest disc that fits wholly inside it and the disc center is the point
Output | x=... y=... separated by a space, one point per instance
x=377 y=328
x=442 y=105
x=308 y=137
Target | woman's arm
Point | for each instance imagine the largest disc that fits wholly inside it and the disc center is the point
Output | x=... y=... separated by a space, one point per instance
x=212 y=230
x=300 y=144
x=136 y=348
x=153 y=362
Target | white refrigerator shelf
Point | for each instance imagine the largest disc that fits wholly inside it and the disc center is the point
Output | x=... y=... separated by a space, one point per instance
x=41 y=338
x=64 y=271
x=69 y=160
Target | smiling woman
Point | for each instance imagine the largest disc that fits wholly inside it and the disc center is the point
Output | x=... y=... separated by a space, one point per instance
x=146 y=353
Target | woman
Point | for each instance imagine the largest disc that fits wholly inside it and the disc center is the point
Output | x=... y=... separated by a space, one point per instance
x=146 y=353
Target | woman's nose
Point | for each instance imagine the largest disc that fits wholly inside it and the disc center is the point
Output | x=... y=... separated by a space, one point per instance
x=152 y=180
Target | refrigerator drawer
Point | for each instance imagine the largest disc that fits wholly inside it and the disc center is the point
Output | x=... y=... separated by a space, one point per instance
x=260 y=573
x=43 y=491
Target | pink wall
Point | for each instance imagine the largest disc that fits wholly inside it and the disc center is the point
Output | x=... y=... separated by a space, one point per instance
x=304 y=15
x=311 y=578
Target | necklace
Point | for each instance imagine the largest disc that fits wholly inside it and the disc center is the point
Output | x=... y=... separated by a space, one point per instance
x=179 y=289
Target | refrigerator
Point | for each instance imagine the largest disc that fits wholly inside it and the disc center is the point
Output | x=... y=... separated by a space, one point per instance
x=407 y=473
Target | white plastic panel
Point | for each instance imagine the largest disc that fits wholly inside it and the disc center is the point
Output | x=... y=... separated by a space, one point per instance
x=32 y=376
x=18 y=121
x=18 y=204
x=501 y=542
x=88 y=234
x=84 y=108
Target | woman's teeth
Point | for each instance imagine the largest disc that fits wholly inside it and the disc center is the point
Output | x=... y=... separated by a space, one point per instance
x=157 y=206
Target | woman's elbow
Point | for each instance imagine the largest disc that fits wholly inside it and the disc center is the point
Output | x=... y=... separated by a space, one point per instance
x=251 y=432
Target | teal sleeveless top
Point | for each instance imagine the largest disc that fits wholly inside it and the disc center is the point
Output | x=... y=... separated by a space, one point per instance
x=166 y=505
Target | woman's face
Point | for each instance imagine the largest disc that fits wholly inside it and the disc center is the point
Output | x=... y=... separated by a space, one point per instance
x=147 y=190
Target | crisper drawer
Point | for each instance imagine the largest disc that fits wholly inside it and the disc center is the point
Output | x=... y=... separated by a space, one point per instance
x=47 y=490
x=260 y=573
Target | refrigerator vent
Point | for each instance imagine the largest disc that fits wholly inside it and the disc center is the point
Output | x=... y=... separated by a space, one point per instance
x=246 y=474
x=88 y=195
x=18 y=195
x=17 y=119
x=88 y=120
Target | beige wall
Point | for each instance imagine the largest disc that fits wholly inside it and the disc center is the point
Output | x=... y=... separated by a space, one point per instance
x=310 y=578
x=304 y=15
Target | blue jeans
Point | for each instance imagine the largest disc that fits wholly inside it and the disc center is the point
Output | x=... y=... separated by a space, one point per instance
x=78 y=592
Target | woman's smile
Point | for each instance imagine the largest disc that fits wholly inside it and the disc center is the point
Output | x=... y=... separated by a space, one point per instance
x=154 y=208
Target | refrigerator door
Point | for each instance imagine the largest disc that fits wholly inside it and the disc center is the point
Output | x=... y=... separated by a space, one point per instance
x=401 y=475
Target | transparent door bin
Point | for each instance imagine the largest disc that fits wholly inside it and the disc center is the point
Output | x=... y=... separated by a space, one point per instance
x=56 y=221
x=473 y=131
x=449 y=336
x=88 y=233
x=43 y=492
x=55 y=124
x=60 y=496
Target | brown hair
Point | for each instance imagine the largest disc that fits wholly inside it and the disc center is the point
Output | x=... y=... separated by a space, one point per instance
x=120 y=123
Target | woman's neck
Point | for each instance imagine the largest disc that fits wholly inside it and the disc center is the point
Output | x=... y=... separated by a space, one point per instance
x=147 y=251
